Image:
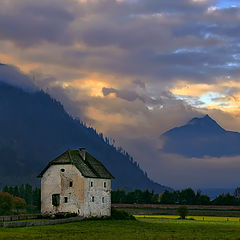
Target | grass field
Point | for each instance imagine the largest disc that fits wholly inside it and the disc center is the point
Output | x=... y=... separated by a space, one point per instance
x=143 y=228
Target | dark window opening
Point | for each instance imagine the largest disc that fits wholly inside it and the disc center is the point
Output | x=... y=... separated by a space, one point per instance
x=91 y=184
x=92 y=199
x=55 y=200
x=65 y=199
x=62 y=170
x=102 y=199
x=105 y=184
x=70 y=184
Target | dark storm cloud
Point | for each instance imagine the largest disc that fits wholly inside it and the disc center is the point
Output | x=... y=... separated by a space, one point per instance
x=132 y=38
x=30 y=22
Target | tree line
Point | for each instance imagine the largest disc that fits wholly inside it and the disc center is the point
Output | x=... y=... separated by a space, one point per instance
x=31 y=196
x=137 y=196
x=184 y=197
x=27 y=199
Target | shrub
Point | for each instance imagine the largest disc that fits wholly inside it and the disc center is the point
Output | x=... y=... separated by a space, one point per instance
x=182 y=211
x=120 y=215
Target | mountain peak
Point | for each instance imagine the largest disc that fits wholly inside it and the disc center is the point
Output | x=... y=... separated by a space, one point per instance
x=201 y=136
x=205 y=122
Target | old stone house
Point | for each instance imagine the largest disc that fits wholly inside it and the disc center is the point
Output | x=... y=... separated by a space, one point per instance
x=78 y=183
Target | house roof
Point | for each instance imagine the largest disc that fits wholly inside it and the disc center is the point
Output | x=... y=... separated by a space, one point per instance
x=89 y=168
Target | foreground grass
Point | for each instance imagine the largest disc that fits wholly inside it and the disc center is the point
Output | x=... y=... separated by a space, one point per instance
x=145 y=228
x=198 y=218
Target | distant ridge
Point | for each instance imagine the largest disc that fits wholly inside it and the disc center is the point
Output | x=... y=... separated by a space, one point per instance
x=201 y=137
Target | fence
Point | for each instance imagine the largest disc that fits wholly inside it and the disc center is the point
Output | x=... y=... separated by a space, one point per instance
x=18 y=217
x=40 y=223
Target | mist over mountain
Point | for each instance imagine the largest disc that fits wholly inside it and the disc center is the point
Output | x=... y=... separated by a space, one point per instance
x=35 y=129
x=201 y=137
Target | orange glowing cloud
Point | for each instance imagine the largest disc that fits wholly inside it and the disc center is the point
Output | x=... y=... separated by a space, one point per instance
x=92 y=85
x=224 y=95
x=23 y=66
x=190 y=89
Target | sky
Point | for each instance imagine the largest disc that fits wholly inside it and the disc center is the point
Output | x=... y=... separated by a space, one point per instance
x=133 y=69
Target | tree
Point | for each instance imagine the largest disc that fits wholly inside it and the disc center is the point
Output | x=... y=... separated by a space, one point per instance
x=5 y=188
x=118 y=196
x=187 y=196
x=19 y=203
x=15 y=191
x=37 y=198
x=226 y=199
x=182 y=211
x=6 y=203
x=28 y=194
x=169 y=197
x=237 y=193
x=202 y=199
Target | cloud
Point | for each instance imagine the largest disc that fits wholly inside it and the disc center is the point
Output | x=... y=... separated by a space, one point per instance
x=206 y=172
x=132 y=68
x=132 y=96
x=28 y=23
x=11 y=75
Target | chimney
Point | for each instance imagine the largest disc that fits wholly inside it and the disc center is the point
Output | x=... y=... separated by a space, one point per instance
x=82 y=152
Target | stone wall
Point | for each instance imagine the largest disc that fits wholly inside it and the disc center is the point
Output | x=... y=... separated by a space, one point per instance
x=18 y=217
x=56 y=180
x=39 y=223
x=101 y=204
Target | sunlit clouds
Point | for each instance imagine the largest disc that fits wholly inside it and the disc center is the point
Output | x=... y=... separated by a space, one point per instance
x=130 y=68
x=224 y=95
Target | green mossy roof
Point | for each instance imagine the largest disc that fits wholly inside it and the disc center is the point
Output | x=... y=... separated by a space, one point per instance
x=90 y=167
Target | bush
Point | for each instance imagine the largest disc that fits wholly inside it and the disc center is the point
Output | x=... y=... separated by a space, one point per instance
x=120 y=215
x=182 y=211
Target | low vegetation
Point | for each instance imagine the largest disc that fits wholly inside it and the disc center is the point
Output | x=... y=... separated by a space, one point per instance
x=120 y=215
x=141 y=229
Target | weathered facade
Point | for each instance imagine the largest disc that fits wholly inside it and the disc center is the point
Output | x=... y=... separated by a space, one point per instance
x=76 y=182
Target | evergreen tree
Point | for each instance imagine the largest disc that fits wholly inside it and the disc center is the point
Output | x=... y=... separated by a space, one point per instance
x=5 y=189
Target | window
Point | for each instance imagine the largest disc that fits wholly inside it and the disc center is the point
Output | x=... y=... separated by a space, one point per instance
x=62 y=170
x=104 y=184
x=91 y=184
x=92 y=199
x=55 y=200
x=102 y=199
x=65 y=199
x=70 y=184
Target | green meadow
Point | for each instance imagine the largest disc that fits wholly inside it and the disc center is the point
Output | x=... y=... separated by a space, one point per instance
x=142 y=228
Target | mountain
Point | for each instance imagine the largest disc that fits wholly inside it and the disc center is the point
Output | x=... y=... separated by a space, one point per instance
x=201 y=137
x=34 y=129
